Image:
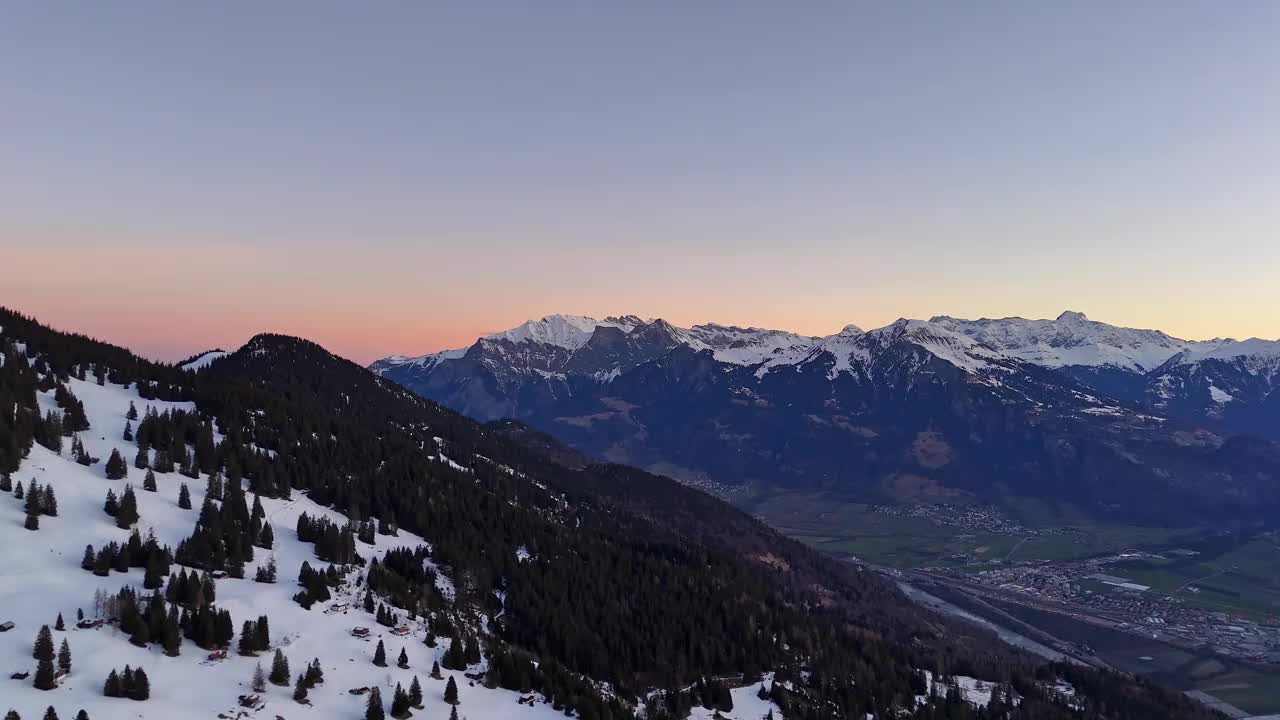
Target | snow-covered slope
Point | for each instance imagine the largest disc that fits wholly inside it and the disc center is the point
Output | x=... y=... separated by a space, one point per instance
x=41 y=577
x=567 y=331
x=202 y=360
x=747 y=346
x=1073 y=339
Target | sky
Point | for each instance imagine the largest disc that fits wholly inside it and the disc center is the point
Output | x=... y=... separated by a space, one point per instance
x=401 y=177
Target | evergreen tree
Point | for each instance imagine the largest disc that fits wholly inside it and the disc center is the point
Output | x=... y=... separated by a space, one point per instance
x=248 y=640
x=374 y=711
x=17 y=490
x=435 y=671
x=6 y=482
x=403 y=660
x=300 y=689
x=279 y=669
x=141 y=685
x=170 y=636
x=49 y=502
x=82 y=715
x=112 y=687
x=415 y=693
x=451 y=692
x=128 y=431
x=149 y=481
x=380 y=655
x=112 y=505
x=12 y=715
x=259 y=679
x=184 y=497
x=127 y=514
x=262 y=634
x=142 y=460
x=116 y=468
x=44 y=679
x=399 y=704
x=50 y=713
x=58 y=624
x=64 y=658
x=43 y=647
x=453 y=713
x=33 y=519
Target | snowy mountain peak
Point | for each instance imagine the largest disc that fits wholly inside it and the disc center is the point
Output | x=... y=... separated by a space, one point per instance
x=567 y=331
x=1072 y=340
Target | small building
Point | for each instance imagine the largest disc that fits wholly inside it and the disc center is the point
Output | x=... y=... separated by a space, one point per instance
x=360 y=632
x=6 y=626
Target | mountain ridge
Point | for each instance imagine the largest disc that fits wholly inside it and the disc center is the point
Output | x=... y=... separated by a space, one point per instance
x=1063 y=410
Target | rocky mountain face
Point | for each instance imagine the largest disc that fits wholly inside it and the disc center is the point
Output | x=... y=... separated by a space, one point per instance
x=1128 y=424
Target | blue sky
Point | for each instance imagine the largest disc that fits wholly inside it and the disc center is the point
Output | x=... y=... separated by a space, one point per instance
x=402 y=176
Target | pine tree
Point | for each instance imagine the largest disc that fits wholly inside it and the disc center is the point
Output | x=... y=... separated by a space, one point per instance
x=33 y=519
x=58 y=624
x=17 y=490
x=112 y=505
x=374 y=711
x=128 y=431
x=171 y=637
x=142 y=460
x=184 y=497
x=133 y=412
x=380 y=655
x=12 y=715
x=435 y=671
x=279 y=669
x=399 y=704
x=43 y=647
x=82 y=715
x=262 y=634
x=127 y=514
x=259 y=679
x=49 y=503
x=415 y=693
x=44 y=679
x=64 y=658
x=141 y=685
x=248 y=640
x=116 y=468
x=112 y=687
x=86 y=563
x=149 y=481
x=403 y=661
x=50 y=713
x=451 y=692
x=300 y=689
x=453 y=713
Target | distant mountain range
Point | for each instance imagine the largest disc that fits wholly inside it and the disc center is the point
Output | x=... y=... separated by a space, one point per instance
x=1114 y=421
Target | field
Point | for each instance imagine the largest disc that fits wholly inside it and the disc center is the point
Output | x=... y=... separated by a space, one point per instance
x=845 y=528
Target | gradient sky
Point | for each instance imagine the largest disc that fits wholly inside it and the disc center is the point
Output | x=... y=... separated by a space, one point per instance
x=399 y=177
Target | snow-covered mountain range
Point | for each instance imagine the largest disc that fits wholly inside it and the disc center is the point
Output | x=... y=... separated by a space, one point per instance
x=736 y=405
x=1130 y=364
